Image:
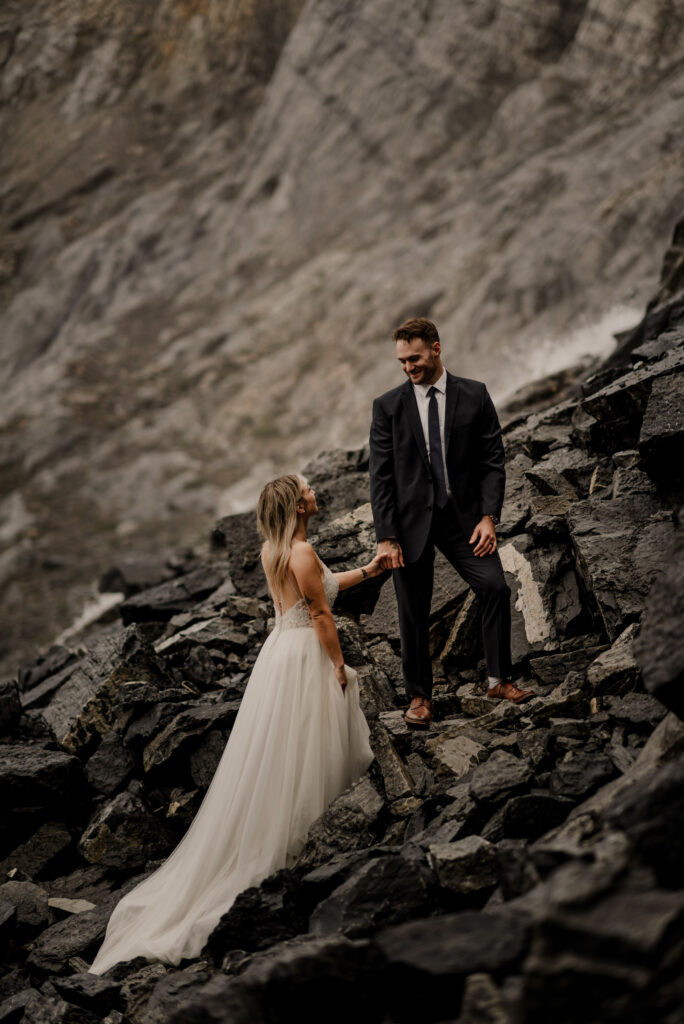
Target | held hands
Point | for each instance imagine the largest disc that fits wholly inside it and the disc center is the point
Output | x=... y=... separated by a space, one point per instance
x=389 y=554
x=484 y=537
x=375 y=568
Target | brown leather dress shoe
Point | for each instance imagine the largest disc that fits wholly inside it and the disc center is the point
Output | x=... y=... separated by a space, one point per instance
x=419 y=713
x=507 y=691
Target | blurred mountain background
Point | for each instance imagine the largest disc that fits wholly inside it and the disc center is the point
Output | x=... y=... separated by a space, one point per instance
x=214 y=212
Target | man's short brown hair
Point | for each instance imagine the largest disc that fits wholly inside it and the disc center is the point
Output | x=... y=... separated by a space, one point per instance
x=417 y=327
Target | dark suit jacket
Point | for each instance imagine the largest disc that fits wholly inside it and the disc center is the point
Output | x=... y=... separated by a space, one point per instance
x=402 y=491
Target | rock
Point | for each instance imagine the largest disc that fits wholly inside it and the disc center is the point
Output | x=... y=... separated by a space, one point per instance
x=545 y=602
x=619 y=407
x=111 y=766
x=173 y=597
x=638 y=710
x=81 y=710
x=531 y=815
x=396 y=777
x=90 y=991
x=565 y=701
x=465 y=866
x=534 y=746
x=130 y=575
x=41 y=694
x=615 y=670
x=648 y=810
x=204 y=760
x=68 y=906
x=580 y=773
x=30 y=901
x=340 y=479
x=464 y=643
x=501 y=776
x=238 y=536
x=260 y=916
x=351 y=822
x=10 y=706
x=32 y=782
x=41 y=854
x=53 y=661
x=661 y=440
x=439 y=953
x=383 y=891
x=124 y=835
x=286 y=984
x=455 y=756
x=658 y=649
x=621 y=546
x=551 y=669
x=32 y=1006
x=78 y=935
x=185 y=729
x=482 y=1001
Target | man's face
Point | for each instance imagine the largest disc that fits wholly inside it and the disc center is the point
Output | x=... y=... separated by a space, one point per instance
x=420 y=362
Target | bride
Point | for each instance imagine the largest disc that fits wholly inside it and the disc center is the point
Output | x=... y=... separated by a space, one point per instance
x=299 y=739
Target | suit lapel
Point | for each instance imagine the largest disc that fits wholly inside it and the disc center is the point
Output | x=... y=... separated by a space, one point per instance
x=451 y=403
x=409 y=399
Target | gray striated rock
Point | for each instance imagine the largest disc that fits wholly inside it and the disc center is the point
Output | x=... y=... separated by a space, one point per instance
x=384 y=891
x=185 y=728
x=124 y=834
x=659 y=649
x=501 y=776
x=615 y=670
x=621 y=547
x=111 y=766
x=466 y=865
x=173 y=597
x=352 y=821
x=661 y=440
x=81 y=710
x=42 y=852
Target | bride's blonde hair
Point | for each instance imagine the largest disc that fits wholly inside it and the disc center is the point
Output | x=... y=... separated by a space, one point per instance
x=277 y=521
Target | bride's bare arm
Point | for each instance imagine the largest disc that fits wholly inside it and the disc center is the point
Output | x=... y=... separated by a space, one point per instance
x=352 y=577
x=307 y=571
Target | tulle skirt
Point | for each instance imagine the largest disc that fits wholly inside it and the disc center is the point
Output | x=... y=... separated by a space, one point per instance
x=297 y=742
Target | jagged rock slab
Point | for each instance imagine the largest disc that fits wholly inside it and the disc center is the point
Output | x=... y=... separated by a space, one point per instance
x=260 y=917
x=172 y=598
x=659 y=649
x=37 y=856
x=185 y=728
x=465 y=866
x=661 y=441
x=81 y=709
x=124 y=834
x=111 y=766
x=352 y=821
x=615 y=670
x=386 y=890
x=621 y=547
x=545 y=600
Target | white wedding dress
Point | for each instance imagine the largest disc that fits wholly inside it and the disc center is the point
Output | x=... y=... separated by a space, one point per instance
x=298 y=741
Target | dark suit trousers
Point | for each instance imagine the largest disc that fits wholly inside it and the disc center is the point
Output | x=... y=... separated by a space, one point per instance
x=413 y=585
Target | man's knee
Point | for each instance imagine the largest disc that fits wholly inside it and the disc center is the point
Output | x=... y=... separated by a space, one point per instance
x=494 y=587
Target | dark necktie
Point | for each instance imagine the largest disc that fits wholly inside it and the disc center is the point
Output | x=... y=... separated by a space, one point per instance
x=436 y=460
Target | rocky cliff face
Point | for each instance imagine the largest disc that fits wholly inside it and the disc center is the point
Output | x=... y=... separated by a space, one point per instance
x=213 y=213
x=509 y=864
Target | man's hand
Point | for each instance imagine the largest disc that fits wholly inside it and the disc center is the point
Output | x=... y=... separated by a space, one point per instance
x=390 y=554
x=484 y=537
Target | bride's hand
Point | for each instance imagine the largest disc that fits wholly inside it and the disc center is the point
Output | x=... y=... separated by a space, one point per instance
x=341 y=676
x=375 y=568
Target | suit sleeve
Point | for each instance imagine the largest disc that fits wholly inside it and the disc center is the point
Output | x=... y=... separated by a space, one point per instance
x=492 y=461
x=382 y=483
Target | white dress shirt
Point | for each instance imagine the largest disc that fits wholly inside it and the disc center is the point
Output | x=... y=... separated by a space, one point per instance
x=421 y=393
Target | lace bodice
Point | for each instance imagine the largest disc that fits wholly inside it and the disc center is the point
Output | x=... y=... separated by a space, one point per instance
x=297 y=617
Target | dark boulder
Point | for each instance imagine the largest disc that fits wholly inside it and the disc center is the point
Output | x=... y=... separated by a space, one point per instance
x=124 y=835
x=171 y=598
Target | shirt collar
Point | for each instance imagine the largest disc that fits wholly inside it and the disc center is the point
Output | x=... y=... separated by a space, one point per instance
x=439 y=384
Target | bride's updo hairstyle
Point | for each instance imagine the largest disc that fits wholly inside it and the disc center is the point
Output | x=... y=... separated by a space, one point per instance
x=277 y=521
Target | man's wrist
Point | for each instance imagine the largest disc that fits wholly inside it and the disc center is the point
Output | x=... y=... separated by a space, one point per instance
x=490 y=515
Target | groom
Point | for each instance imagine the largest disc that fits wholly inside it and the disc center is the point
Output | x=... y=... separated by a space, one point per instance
x=437 y=480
